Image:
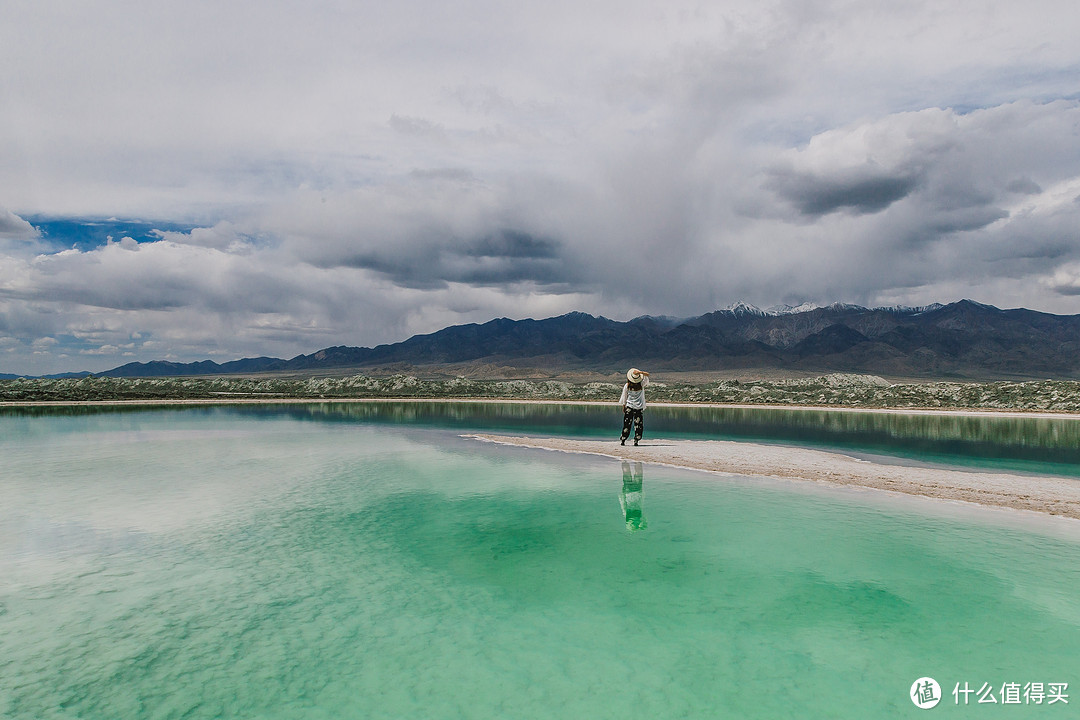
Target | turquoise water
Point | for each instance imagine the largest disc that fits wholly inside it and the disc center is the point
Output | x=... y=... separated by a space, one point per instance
x=224 y=563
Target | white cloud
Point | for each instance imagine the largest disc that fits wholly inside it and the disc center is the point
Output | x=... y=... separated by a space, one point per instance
x=367 y=171
x=109 y=350
x=1064 y=280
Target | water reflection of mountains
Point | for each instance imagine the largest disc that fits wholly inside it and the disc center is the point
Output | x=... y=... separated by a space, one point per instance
x=1053 y=444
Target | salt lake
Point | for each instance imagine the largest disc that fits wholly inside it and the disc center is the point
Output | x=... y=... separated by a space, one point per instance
x=364 y=560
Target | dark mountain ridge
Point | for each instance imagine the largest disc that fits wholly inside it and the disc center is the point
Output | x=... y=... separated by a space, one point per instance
x=964 y=339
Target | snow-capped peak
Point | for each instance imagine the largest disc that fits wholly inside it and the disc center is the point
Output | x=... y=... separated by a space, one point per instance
x=792 y=309
x=913 y=310
x=741 y=308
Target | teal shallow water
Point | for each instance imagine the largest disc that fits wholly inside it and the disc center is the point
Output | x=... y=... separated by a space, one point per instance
x=202 y=564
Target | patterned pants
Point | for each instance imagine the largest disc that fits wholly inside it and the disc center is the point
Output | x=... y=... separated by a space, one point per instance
x=628 y=418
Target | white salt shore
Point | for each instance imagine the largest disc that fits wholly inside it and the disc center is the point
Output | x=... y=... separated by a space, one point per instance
x=1050 y=495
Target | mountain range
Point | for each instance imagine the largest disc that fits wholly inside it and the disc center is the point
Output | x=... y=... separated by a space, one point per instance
x=964 y=339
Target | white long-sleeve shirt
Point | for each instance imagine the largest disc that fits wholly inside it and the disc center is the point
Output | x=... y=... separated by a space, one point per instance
x=634 y=399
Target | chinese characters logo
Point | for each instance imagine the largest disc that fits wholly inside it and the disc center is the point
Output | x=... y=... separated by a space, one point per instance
x=925 y=693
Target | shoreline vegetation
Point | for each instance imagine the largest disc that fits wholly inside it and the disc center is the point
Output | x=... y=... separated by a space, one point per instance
x=864 y=392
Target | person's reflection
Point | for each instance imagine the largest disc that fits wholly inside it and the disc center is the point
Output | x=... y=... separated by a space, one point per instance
x=632 y=495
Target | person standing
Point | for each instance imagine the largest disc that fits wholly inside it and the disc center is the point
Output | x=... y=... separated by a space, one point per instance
x=633 y=402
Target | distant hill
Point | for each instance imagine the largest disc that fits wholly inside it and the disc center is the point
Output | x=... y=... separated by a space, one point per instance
x=163 y=368
x=964 y=339
x=9 y=376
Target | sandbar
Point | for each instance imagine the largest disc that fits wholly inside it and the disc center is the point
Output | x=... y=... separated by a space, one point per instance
x=1043 y=494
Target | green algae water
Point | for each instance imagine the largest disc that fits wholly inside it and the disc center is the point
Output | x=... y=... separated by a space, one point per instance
x=282 y=563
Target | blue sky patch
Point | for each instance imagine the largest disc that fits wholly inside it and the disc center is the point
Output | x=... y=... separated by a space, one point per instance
x=88 y=233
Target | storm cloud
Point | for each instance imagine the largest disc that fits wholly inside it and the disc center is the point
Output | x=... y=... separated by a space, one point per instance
x=862 y=191
x=196 y=180
x=505 y=257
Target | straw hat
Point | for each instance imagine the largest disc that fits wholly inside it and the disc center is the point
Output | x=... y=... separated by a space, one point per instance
x=634 y=375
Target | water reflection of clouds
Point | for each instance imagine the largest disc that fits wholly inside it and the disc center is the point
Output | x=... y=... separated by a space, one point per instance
x=149 y=487
x=33 y=536
x=36 y=550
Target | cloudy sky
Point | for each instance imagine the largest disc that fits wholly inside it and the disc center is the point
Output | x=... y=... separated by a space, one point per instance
x=191 y=180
